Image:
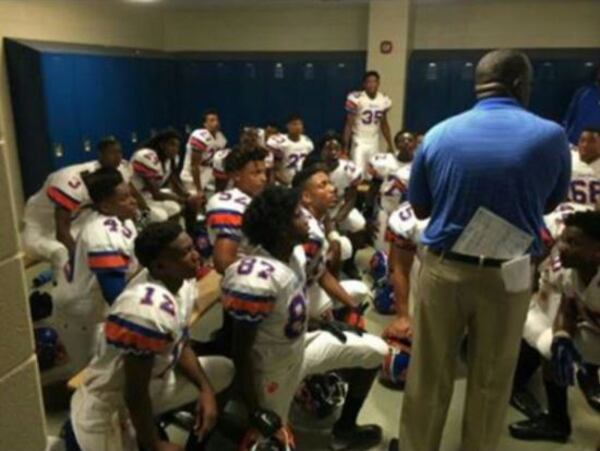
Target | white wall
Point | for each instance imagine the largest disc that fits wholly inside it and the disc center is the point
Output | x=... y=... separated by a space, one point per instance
x=507 y=23
x=276 y=29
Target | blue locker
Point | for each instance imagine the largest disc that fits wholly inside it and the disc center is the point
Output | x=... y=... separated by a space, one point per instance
x=64 y=134
x=252 y=92
x=227 y=87
x=310 y=99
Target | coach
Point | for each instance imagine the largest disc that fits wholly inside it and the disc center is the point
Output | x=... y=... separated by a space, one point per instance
x=517 y=165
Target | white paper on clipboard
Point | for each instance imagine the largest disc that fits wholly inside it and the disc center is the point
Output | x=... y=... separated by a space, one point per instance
x=489 y=235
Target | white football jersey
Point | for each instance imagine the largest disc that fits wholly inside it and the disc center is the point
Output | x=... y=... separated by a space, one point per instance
x=381 y=165
x=146 y=319
x=587 y=298
x=105 y=244
x=205 y=144
x=368 y=112
x=291 y=154
x=315 y=248
x=64 y=188
x=585 y=182
x=394 y=187
x=344 y=176
x=404 y=229
x=146 y=165
x=224 y=213
x=262 y=290
x=555 y=221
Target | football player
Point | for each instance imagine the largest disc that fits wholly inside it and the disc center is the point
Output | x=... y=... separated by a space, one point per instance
x=224 y=211
x=155 y=177
x=585 y=172
x=54 y=214
x=323 y=245
x=273 y=352
x=203 y=143
x=103 y=261
x=290 y=150
x=366 y=116
x=390 y=175
x=132 y=379
x=575 y=337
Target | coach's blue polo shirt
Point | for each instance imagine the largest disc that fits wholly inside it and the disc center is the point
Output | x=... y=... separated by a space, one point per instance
x=496 y=155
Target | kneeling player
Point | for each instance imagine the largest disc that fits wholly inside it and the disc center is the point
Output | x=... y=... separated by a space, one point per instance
x=132 y=379
x=273 y=352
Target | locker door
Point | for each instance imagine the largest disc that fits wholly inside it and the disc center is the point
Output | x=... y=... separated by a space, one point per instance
x=121 y=85
x=252 y=93
x=462 y=86
x=58 y=78
x=198 y=86
x=228 y=94
x=311 y=101
x=342 y=77
x=91 y=74
x=281 y=81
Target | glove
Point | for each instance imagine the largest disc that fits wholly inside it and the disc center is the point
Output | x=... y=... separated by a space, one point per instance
x=352 y=316
x=564 y=356
x=337 y=329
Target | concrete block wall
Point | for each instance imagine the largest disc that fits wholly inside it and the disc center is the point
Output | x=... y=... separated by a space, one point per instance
x=22 y=421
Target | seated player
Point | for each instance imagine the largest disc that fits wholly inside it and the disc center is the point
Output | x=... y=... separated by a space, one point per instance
x=54 y=214
x=323 y=245
x=575 y=338
x=249 y=140
x=390 y=175
x=224 y=211
x=290 y=150
x=273 y=352
x=155 y=177
x=133 y=378
x=103 y=260
x=585 y=171
x=403 y=233
x=203 y=143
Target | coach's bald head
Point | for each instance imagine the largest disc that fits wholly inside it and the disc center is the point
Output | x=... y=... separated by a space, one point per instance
x=504 y=73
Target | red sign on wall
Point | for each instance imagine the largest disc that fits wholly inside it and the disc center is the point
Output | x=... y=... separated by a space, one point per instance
x=386 y=47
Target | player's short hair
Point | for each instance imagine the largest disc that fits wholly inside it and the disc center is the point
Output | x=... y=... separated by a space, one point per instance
x=208 y=112
x=101 y=184
x=402 y=132
x=293 y=117
x=330 y=135
x=591 y=129
x=371 y=73
x=302 y=177
x=162 y=136
x=154 y=239
x=273 y=124
x=268 y=217
x=238 y=158
x=107 y=142
x=587 y=221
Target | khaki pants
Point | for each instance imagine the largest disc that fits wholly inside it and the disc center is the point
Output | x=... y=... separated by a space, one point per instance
x=454 y=298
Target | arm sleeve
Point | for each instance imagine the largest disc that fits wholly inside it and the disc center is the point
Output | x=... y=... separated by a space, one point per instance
x=136 y=335
x=224 y=223
x=197 y=143
x=112 y=284
x=145 y=165
x=419 y=192
x=351 y=104
x=66 y=191
x=245 y=296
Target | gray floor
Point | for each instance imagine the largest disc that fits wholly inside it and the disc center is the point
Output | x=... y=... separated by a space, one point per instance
x=383 y=407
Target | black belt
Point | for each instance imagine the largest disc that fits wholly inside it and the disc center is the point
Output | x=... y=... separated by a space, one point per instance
x=468 y=259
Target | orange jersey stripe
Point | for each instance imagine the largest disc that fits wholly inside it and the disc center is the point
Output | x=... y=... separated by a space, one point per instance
x=229 y=219
x=107 y=261
x=120 y=334
x=62 y=199
x=244 y=305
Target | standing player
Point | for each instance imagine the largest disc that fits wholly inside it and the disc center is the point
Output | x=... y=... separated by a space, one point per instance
x=585 y=172
x=367 y=115
x=132 y=379
x=390 y=175
x=54 y=214
x=197 y=172
x=273 y=352
x=103 y=260
x=155 y=177
x=246 y=169
x=290 y=150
